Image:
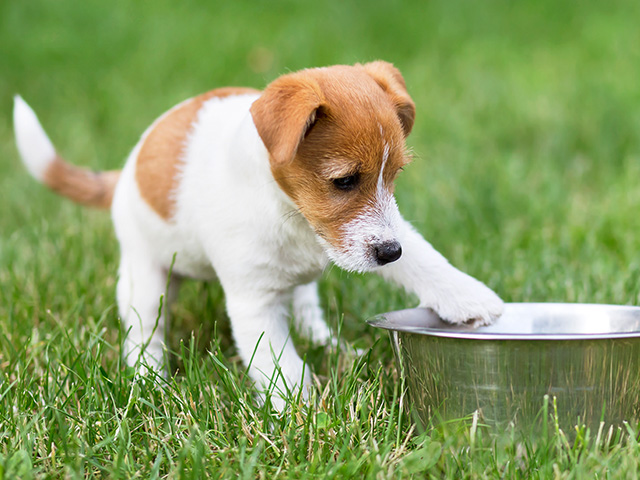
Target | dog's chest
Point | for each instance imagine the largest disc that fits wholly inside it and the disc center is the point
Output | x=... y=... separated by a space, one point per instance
x=272 y=251
x=299 y=257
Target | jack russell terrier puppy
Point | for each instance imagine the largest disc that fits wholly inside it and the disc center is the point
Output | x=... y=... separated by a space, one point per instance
x=261 y=190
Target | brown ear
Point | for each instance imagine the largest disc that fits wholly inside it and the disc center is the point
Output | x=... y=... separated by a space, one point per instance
x=283 y=114
x=390 y=80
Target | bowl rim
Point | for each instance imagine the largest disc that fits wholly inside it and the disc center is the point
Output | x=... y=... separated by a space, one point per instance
x=393 y=321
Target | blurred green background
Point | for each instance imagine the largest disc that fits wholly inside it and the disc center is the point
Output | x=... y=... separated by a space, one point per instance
x=526 y=175
x=527 y=151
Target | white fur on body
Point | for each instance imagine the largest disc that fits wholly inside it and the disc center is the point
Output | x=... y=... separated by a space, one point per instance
x=232 y=221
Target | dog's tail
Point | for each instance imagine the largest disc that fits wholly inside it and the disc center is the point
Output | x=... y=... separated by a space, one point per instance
x=94 y=189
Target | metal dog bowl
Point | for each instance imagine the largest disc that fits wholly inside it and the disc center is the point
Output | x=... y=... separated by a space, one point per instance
x=582 y=359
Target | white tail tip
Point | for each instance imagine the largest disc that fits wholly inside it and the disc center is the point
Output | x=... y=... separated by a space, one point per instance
x=35 y=148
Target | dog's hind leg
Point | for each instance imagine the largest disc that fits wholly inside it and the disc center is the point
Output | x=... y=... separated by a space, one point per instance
x=143 y=307
x=308 y=315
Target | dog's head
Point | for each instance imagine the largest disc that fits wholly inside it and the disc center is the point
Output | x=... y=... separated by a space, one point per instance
x=336 y=142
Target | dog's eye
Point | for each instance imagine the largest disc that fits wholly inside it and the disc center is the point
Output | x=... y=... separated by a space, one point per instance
x=346 y=183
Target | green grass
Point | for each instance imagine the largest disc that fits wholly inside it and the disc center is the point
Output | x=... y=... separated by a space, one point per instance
x=527 y=146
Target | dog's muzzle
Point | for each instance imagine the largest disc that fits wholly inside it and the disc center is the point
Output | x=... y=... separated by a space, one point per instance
x=387 y=252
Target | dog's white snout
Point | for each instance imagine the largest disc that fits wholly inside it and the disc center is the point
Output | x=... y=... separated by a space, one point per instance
x=387 y=252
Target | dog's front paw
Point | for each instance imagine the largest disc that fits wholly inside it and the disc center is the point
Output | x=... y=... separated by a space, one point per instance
x=468 y=302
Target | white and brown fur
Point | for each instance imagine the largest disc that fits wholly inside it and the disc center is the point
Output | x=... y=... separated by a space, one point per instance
x=262 y=190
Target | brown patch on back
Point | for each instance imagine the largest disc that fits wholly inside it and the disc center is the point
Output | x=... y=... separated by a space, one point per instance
x=162 y=150
x=94 y=189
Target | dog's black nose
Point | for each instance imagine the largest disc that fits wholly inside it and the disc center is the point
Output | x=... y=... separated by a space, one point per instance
x=387 y=252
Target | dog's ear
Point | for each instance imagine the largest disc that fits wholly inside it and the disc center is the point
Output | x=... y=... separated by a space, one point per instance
x=284 y=113
x=390 y=80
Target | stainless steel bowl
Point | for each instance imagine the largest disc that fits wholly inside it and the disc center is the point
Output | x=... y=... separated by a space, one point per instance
x=586 y=357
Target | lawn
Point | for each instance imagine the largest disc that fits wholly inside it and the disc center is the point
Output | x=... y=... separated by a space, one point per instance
x=526 y=175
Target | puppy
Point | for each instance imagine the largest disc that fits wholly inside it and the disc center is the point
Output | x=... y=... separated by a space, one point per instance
x=262 y=190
